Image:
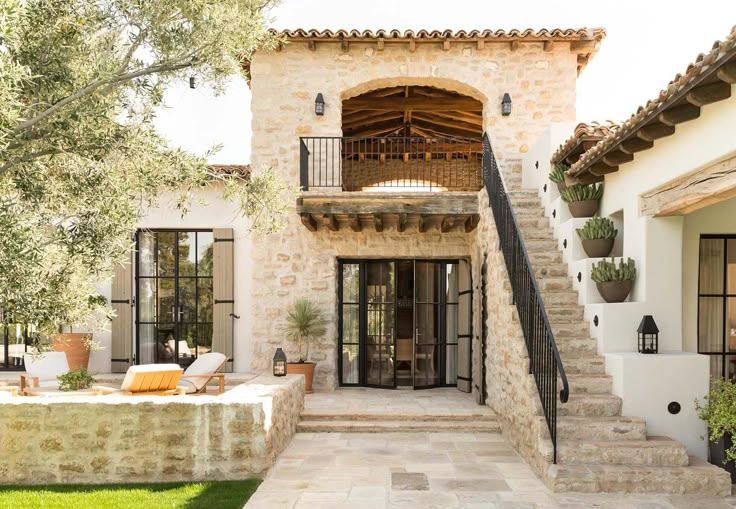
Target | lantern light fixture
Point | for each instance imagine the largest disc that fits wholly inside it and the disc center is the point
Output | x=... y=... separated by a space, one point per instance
x=192 y=82
x=279 y=363
x=506 y=105
x=648 y=335
x=319 y=105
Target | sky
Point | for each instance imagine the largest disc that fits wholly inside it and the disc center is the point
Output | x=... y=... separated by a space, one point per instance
x=648 y=43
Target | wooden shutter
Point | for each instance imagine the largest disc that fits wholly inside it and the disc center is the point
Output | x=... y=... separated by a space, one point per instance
x=464 y=329
x=222 y=289
x=122 y=323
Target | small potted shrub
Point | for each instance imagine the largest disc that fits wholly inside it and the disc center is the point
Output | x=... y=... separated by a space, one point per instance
x=718 y=410
x=582 y=200
x=557 y=175
x=75 y=380
x=597 y=236
x=304 y=324
x=614 y=283
x=78 y=345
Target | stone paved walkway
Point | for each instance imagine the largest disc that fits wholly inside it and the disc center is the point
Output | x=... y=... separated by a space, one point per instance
x=425 y=470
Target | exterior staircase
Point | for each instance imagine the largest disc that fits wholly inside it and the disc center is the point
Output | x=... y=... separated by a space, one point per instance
x=599 y=450
x=320 y=422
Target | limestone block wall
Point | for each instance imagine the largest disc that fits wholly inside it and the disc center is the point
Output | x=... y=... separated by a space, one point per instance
x=284 y=85
x=102 y=439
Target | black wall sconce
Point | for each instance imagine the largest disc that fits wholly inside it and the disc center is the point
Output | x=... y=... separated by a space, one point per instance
x=648 y=335
x=192 y=82
x=506 y=105
x=319 y=105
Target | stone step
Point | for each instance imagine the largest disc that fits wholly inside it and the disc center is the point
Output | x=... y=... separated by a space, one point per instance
x=697 y=478
x=591 y=405
x=561 y=298
x=654 y=451
x=534 y=223
x=570 y=330
x=540 y=245
x=399 y=417
x=576 y=347
x=524 y=201
x=554 y=283
x=600 y=428
x=593 y=365
x=388 y=426
x=545 y=258
x=589 y=383
x=529 y=234
x=542 y=270
x=565 y=314
x=526 y=212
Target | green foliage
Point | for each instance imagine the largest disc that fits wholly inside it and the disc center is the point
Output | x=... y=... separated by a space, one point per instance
x=597 y=228
x=557 y=175
x=718 y=410
x=80 y=159
x=582 y=192
x=304 y=323
x=605 y=271
x=75 y=380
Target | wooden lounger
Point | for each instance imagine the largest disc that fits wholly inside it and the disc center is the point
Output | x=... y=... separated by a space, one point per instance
x=148 y=380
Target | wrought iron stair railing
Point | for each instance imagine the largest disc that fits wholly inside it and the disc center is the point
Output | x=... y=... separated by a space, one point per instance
x=544 y=358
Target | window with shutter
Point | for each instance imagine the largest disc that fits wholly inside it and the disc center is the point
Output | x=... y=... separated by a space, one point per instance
x=122 y=323
x=224 y=305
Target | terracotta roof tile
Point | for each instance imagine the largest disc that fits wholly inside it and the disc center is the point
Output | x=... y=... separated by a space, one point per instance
x=722 y=52
x=593 y=132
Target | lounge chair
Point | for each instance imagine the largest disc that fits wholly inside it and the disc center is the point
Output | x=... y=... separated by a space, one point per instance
x=42 y=370
x=147 y=380
x=202 y=370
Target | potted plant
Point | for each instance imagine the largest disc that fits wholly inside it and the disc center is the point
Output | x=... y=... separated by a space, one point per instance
x=557 y=175
x=304 y=324
x=75 y=380
x=597 y=236
x=581 y=199
x=718 y=410
x=78 y=345
x=614 y=283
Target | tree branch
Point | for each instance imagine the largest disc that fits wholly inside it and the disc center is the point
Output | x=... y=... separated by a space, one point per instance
x=28 y=157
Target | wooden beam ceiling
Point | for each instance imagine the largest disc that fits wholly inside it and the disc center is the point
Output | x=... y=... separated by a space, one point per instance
x=413 y=104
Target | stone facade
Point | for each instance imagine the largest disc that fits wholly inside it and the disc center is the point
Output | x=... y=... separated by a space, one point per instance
x=102 y=439
x=284 y=84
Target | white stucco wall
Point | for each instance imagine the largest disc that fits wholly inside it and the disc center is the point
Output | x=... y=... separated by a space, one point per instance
x=208 y=210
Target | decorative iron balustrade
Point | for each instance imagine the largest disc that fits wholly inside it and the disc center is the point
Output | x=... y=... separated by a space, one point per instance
x=409 y=163
x=544 y=358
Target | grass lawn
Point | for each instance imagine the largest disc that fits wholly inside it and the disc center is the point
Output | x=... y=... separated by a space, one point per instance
x=208 y=494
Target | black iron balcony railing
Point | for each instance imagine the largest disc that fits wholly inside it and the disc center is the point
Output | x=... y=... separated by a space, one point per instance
x=413 y=163
x=544 y=358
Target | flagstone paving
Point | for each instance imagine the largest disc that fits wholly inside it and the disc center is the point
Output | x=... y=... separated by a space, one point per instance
x=426 y=470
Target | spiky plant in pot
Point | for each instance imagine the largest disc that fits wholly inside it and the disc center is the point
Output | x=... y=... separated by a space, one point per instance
x=582 y=199
x=597 y=236
x=304 y=324
x=557 y=175
x=614 y=282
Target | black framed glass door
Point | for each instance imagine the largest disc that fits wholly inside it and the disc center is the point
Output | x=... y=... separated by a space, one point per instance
x=380 y=314
x=173 y=295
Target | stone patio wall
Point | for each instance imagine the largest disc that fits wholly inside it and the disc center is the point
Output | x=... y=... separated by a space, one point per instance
x=512 y=393
x=103 y=439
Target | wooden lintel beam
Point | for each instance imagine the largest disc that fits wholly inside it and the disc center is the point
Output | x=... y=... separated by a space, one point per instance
x=312 y=45
x=413 y=103
x=344 y=45
x=354 y=221
x=655 y=131
x=548 y=45
x=378 y=222
x=679 y=114
x=380 y=44
x=330 y=222
x=423 y=223
x=634 y=145
x=309 y=222
x=587 y=178
x=616 y=157
x=412 y=46
x=707 y=94
x=600 y=169
x=401 y=223
x=581 y=46
x=448 y=223
x=472 y=222
x=446 y=45
x=727 y=73
x=514 y=45
x=480 y=43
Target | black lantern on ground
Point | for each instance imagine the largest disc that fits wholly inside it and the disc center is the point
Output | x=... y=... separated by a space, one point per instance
x=319 y=105
x=506 y=105
x=648 y=335
x=279 y=363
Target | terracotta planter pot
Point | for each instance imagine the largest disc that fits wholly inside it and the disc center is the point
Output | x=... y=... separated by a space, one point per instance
x=598 y=248
x=302 y=368
x=615 y=291
x=585 y=208
x=71 y=343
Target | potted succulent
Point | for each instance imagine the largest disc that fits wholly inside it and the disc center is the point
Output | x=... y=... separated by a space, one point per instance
x=597 y=236
x=718 y=410
x=75 y=380
x=582 y=200
x=304 y=324
x=557 y=175
x=614 y=283
x=78 y=345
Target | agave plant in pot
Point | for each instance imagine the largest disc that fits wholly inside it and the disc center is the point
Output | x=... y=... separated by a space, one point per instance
x=614 y=283
x=597 y=236
x=582 y=199
x=557 y=175
x=304 y=324
x=718 y=410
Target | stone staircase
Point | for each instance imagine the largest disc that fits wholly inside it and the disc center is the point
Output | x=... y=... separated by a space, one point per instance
x=321 y=422
x=599 y=450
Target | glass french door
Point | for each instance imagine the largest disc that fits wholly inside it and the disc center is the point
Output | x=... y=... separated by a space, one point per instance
x=173 y=295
